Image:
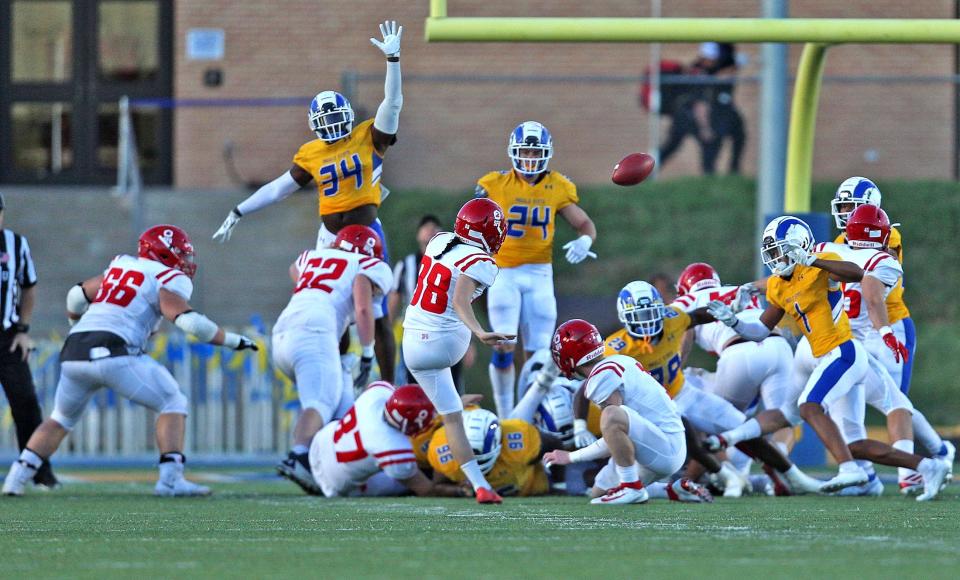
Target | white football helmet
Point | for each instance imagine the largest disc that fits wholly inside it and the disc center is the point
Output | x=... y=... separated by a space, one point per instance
x=530 y=148
x=484 y=435
x=779 y=237
x=555 y=413
x=640 y=309
x=331 y=116
x=852 y=193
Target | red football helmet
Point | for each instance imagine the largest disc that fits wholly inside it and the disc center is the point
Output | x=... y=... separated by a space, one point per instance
x=480 y=223
x=868 y=227
x=697 y=276
x=359 y=240
x=576 y=342
x=170 y=246
x=409 y=410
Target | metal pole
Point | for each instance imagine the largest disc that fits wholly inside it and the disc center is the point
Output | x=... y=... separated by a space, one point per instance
x=803 y=121
x=653 y=139
x=773 y=127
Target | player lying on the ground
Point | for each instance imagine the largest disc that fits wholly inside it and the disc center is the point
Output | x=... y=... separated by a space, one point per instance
x=806 y=285
x=333 y=286
x=117 y=312
x=522 y=300
x=346 y=162
x=507 y=453
x=437 y=326
x=368 y=452
x=641 y=426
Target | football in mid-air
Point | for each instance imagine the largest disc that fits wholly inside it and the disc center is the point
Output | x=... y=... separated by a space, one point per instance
x=633 y=169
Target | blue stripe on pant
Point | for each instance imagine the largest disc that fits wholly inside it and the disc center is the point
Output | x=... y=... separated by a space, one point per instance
x=378 y=227
x=910 y=341
x=833 y=373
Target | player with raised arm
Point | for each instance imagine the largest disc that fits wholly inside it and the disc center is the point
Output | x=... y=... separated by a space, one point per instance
x=332 y=286
x=642 y=431
x=806 y=286
x=368 y=452
x=522 y=300
x=346 y=161
x=455 y=270
x=117 y=312
x=851 y=194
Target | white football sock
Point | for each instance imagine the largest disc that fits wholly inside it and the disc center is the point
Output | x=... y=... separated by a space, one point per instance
x=848 y=466
x=300 y=449
x=31 y=459
x=502 y=381
x=472 y=470
x=629 y=474
x=924 y=434
x=658 y=490
x=748 y=430
x=906 y=446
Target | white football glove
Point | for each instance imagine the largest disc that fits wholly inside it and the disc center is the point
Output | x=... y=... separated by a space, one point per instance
x=581 y=435
x=579 y=249
x=390 y=46
x=744 y=297
x=226 y=229
x=722 y=312
x=800 y=255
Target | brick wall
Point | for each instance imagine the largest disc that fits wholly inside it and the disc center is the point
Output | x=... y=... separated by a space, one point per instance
x=452 y=132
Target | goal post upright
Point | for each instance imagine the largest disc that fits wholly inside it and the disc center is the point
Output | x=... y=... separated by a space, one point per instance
x=817 y=34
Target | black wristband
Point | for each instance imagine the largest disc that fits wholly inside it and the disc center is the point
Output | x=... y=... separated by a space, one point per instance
x=21 y=327
x=393 y=59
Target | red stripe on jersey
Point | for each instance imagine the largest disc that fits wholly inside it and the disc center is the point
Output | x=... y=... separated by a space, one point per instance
x=169 y=278
x=395 y=461
x=686 y=300
x=164 y=273
x=369 y=264
x=466 y=267
x=303 y=258
x=875 y=261
x=608 y=366
x=819 y=247
x=469 y=257
x=393 y=452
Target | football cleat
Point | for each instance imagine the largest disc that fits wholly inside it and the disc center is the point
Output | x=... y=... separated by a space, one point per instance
x=715 y=443
x=180 y=488
x=734 y=484
x=17 y=478
x=949 y=457
x=797 y=482
x=911 y=484
x=486 y=495
x=934 y=473
x=845 y=479
x=292 y=469
x=625 y=493
x=687 y=491
x=873 y=488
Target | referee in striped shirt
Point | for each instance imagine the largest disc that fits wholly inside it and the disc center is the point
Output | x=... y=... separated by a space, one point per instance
x=18 y=279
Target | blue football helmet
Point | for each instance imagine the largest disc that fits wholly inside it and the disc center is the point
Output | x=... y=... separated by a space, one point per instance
x=640 y=310
x=779 y=237
x=331 y=116
x=485 y=436
x=554 y=415
x=530 y=148
x=852 y=193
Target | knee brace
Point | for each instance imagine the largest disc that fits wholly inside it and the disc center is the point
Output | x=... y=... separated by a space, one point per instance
x=502 y=360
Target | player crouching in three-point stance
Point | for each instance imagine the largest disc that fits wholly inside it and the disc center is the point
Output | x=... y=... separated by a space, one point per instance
x=332 y=286
x=369 y=451
x=641 y=426
x=346 y=162
x=806 y=286
x=455 y=270
x=117 y=311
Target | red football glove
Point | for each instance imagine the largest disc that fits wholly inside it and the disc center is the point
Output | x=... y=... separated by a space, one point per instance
x=899 y=350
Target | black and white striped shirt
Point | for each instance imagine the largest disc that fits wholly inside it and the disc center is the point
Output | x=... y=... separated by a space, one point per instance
x=17 y=272
x=405 y=276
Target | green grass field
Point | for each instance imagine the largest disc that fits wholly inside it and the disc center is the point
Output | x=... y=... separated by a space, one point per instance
x=265 y=528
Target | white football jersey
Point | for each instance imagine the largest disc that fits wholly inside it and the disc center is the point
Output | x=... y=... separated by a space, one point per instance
x=641 y=392
x=128 y=302
x=431 y=307
x=877 y=263
x=349 y=451
x=711 y=337
x=323 y=296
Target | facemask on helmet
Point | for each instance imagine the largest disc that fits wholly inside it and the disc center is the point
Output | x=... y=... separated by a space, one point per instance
x=640 y=310
x=485 y=436
x=851 y=194
x=331 y=116
x=779 y=237
x=530 y=148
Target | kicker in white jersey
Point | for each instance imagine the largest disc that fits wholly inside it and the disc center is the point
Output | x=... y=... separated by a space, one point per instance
x=128 y=302
x=346 y=453
x=323 y=296
x=640 y=391
x=431 y=307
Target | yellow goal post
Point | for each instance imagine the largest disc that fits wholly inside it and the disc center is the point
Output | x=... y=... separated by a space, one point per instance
x=817 y=34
